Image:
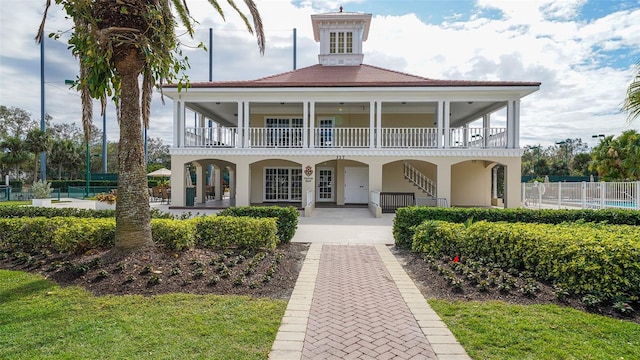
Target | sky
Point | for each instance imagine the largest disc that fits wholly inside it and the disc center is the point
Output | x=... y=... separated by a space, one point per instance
x=584 y=52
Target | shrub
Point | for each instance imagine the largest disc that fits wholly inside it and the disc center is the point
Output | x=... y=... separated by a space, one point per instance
x=173 y=234
x=41 y=189
x=62 y=234
x=407 y=218
x=29 y=211
x=243 y=232
x=287 y=218
x=586 y=258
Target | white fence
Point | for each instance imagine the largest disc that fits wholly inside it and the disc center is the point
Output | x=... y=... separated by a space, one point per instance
x=584 y=195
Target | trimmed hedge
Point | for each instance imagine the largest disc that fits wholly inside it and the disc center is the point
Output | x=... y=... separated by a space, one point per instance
x=61 y=234
x=16 y=211
x=78 y=235
x=584 y=258
x=241 y=231
x=408 y=217
x=287 y=217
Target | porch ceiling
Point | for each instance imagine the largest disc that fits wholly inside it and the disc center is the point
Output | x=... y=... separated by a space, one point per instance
x=226 y=113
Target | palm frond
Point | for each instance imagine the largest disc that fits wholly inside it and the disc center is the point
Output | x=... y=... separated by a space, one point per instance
x=216 y=6
x=183 y=13
x=257 y=21
x=44 y=18
x=631 y=104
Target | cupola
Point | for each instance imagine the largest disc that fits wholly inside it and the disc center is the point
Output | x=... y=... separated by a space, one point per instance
x=341 y=35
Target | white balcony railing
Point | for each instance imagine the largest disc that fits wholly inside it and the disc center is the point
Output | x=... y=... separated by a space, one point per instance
x=341 y=137
x=210 y=137
x=351 y=137
x=275 y=137
x=409 y=138
x=478 y=137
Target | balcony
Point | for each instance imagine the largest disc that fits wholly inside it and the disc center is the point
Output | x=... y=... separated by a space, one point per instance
x=345 y=138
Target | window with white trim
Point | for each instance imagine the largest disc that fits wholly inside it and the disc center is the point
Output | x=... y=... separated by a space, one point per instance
x=284 y=132
x=341 y=42
x=282 y=184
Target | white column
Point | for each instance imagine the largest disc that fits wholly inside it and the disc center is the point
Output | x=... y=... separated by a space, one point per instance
x=201 y=125
x=312 y=124
x=516 y=123
x=305 y=124
x=243 y=183
x=232 y=183
x=178 y=130
x=241 y=135
x=372 y=124
x=177 y=184
x=494 y=182
x=379 y=124
x=439 y=124
x=219 y=189
x=446 y=122
x=510 y=125
x=201 y=187
x=486 y=132
x=512 y=179
x=247 y=123
x=443 y=182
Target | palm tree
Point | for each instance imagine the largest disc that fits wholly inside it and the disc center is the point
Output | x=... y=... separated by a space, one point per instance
x=631 y=104
x=36 y=142
x=116 y=42
x=64 y=152
x=14 y=153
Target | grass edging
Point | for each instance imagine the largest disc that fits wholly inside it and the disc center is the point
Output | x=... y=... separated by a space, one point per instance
x=42 y=320
x=497 y=330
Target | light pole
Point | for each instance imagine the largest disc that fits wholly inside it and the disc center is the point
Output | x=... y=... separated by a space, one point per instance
x=535 y=165
x=566 y=153
x=598 y=136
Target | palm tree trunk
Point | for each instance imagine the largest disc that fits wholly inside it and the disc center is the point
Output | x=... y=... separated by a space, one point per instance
x=133 y=217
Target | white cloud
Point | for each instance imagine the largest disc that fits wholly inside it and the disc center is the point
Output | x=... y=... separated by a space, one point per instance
x=583 y=65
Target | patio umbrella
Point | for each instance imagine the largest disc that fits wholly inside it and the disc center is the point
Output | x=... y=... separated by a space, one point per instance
x=163 y=172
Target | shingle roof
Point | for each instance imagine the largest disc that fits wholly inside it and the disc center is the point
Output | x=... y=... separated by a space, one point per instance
x=349 y=76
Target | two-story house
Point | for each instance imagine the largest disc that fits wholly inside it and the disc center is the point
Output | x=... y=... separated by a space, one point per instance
x=341 y=132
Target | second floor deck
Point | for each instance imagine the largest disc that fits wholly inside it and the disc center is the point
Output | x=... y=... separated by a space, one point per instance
x=345 y=138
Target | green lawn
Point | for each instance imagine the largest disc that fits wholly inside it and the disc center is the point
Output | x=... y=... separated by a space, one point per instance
x=40 y=320
x=495 y=330
x=15 y=202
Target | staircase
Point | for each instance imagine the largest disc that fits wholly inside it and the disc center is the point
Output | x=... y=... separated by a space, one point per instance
x=419 y=179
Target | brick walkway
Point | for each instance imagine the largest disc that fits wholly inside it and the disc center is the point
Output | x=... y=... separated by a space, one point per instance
x=356 y=302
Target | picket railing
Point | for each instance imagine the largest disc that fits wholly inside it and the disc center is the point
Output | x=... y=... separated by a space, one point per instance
x=584 y=195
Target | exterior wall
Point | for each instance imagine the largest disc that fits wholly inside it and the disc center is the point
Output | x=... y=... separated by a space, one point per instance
x=257 y=176
x=393 y=176
x=454 y=177
x=471 y=184
x=408 y=120
x=355 y=120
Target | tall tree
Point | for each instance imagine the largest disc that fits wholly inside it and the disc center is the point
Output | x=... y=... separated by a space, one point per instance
x=36 y=142
x=14 y=122
x=618 y=159
x=631 y=103
x=65 y=153
x=14 y=153
x=116 y=43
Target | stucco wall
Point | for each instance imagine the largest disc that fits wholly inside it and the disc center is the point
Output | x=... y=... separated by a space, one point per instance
x=471 y=184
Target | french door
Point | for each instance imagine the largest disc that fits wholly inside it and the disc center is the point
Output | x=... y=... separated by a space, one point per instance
x=284 y=132
x=325 y=185
x=282 y=184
